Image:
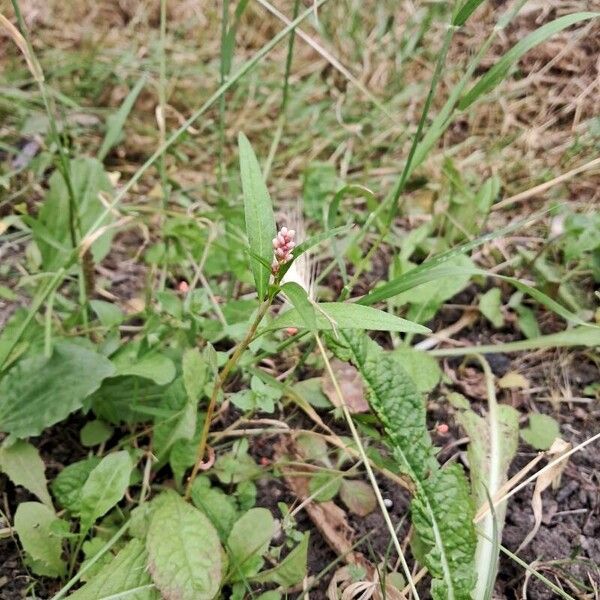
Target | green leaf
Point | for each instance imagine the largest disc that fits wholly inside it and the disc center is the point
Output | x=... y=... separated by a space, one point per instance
x=181 y=422
x=331 y=315
x=422 y=368
x=501 y=69
x=311 y=391
x=248 y=542
x=258 y=210
x=442 y=513
x=299 y=298
x=527 y=322
x=442 y=510
x=493 y=444
x=408 y=281
x=236 y=466
x=51 y=229
x=216 y=505
x=324 y=486
x=358 y=496
x=67 y=485
x=21 y=461
x=116 y=121
x=465 y=11
x=104 y=487
x=187 y=562
x=195 y=373
x=127 y=399
x=126 y=577
x=394 y=398
x=95 y=433
x=541 y=432
x=157 y=367
x=38 y=391
x=109 y=314
x=291 y=570
x=490 y=305
x=32 y=523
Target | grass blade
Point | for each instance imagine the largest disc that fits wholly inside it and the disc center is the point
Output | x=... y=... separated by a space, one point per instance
x=501 y=69
x=116 y=121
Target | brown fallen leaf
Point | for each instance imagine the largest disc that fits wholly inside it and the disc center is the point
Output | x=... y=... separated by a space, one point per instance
x=343 y=585
x=351 y=386
x=550 y=477
x=329 y=519
x=469 y=380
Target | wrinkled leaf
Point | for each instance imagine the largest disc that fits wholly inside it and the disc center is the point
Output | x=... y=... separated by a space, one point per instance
x=442 y=514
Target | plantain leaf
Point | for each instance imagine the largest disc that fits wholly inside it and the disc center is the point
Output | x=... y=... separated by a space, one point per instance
x=184 y=552
x=344 y=315
x=33 y=522
x=21 y=461
x=39 y=391
x=104 y=487
x=258 y=211
x=126 y=576
x=501 y=69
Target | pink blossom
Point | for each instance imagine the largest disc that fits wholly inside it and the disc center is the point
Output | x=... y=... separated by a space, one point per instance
x=283 y=244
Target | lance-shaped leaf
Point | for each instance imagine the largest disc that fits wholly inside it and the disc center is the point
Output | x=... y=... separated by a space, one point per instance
x=344 y=315
x=125 y=576
x=258 y=211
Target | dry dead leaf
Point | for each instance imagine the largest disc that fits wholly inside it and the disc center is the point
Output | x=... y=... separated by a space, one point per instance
x=550 y=477
x=343 y=586
x=328 y=518
x=469 y=380
x=351 y=386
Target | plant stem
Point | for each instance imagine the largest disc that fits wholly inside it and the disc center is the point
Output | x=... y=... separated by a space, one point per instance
x=221 y=379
